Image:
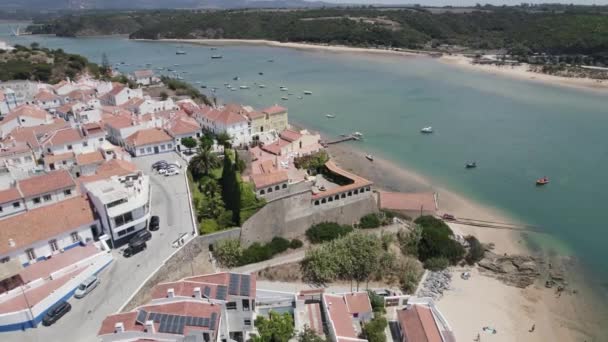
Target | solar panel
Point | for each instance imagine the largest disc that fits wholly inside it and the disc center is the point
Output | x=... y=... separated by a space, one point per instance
x=189 y=320
x=221 y=292
x=163 y=326
x=233 y=285
x=204 y=322
x=141 y=317
x=172 y=323
x=152 y=316
x=180 y=325
x=245 y=279
x=212 y=321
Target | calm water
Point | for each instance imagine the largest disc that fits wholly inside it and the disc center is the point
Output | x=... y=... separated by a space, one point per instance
x=517 y=131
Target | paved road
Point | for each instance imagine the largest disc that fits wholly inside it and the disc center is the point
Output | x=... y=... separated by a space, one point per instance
x=124 y=275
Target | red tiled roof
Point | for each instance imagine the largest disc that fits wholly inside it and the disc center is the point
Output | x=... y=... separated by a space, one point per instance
x=339 y=317
x=81 y=94
x=53 y=158
x=118 y=121
x=417 y=324
x=276 y=109
x=263 y=180
x=117 y=89
x=228 y=118
x=44 y=95
x=223 y=278
x=44 y=223
x=134 y=102
x=357 y=181
x=63 y=137
x=183 y=125
x=358 y=302
x=407 y=201
x=275 y=147
x=93 y=128
x=29 y=134
x=148 y=136
x=51 y=181
x=290 y=135
x=90 y=158
x=27 y=110
x=9 y=195
x=114 y=167
x=143 y=73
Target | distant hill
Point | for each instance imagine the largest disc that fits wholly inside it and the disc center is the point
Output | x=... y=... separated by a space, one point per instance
x=153 y=4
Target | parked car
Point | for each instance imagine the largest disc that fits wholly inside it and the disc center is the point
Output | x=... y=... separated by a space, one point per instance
x=164 y=170
x=154 y=223
x=134 y=248
x=159 y=163
x=448 y=217
x=56 y=312
x=86 y=286
x=143 y=235
x=171 y=172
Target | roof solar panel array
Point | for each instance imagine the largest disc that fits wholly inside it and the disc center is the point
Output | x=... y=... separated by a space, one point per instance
x=245 y=281
x=207 y=291
x=221 y=292
x=233 y=285
x=212 y=321
x=141 y=317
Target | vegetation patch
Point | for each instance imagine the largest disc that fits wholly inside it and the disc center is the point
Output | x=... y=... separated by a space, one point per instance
x=327 y=231
x=229 y=252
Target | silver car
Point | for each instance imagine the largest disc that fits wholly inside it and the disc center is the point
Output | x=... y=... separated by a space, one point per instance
x=86 y=286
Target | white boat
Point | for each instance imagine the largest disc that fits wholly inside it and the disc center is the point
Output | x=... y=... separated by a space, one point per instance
x=427 y=130
x=300 y=97
x=216 y=57
x=244 y=87
x=261 y=86
x=198 y=82
x=283 y=88
x=180 y=78
x=330 y=116
x=358 y=134
x=307 y=92
x=180 y=52
x=369 y=157
x=284 y=98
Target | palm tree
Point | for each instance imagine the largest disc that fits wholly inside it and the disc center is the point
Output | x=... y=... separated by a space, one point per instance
x=224 y=139
x=203 y=162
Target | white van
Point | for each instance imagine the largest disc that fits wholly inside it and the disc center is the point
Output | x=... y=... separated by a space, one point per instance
x=86 y=286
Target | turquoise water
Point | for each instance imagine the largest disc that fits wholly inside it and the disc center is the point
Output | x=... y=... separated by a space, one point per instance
x=516 y=130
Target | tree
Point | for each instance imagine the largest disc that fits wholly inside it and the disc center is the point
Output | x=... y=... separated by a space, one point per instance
x=476 y=250
x=189 y=143
x=206 y=141
x=373 y=330
x=276 y=328
x=309 y=335
x=327 y=231
x=224 y=139
x=164 y=95
x=228 y=252
x=231 y=189
x=106 y=68
x=409 y=240
x=203 y=162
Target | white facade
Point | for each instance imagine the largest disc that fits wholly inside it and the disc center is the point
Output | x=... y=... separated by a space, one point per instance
x=8 y=101
x=24 y=90
x=125 y=95
x=47 y=198
x=122 y=203
x=153 y=106
x=151 y=149
x=11 y=208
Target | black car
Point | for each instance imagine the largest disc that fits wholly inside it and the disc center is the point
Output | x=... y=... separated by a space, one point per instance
x=56 y=312
x=158 y=163
x=134 y=248
x=142 y=235
x=154 y=223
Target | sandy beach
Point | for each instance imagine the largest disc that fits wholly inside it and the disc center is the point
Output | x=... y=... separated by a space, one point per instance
x=483 y=301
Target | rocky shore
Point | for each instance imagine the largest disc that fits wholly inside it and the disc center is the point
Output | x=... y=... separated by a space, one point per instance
x=435 y=284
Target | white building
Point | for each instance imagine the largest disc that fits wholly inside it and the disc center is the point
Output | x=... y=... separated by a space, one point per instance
x=46 y=189
x=122 y=203
x=120 y=94
x=149 y=141
x=226 y=120
x=40 y=233
x=24 y=90
x=17 y=159
x=24 y=116
x=183 y=127
x=8 y=101
x=11 y=202
x=144 y=77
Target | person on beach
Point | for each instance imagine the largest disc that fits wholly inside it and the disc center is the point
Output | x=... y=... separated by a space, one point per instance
x=533 y=327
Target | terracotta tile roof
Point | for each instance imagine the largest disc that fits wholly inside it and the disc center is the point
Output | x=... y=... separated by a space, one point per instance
x=27 y=110
x=30 y=134
x=188 y=106
x=255 y=114
x=339 y=317
x=228 y=118
x=93 y=128
x=44 y=223
x=66 y=108
x=357 y=181
x=184 y=289
x=143 y=73
x=276 y=109
x=183 y=126
x=54 y=158
x=117 y=89
x=15 y=148
x=223 y=278
x=9 y=195
x=81 y=94
x=114 y=167
x=275 y=147
x=127 y=319
x=148 y=136
x=134 y=102
x=290 y=135
x=44 y=95
x=90 y=158
x=119 y=121
x=233 y=107
x=417 y=324
x=407 y=201
x=358 y=302
x=51 y=181
x=263 y=180
x=63 y=136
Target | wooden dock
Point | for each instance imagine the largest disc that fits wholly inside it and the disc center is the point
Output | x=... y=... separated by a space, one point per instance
x=496 y=225
x=349 y=137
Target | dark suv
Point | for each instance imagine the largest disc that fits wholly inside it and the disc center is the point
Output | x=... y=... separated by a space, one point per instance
x=154 y=223
x=134 y=248
x=143 y=235
x=56 y=312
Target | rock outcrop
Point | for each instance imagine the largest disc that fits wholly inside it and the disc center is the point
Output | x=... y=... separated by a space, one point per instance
x=435 y=284
x=515 y=270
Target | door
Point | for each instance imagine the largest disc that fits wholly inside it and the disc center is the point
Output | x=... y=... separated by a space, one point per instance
x=155 y=149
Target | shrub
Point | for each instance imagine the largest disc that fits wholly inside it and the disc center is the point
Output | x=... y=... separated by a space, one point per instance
x=436 y=264
x=370 y=221
x=208 y=226
x=410 y=240
x=436 y=243
x=296 y=243
x=313 y=162
x=327 y=231
x=255 y=253
x=428 y=221
x=373 y=331
x=278 y=245
x=228 y=252
x=410 y=272
x=476 y=250
x=376 y=301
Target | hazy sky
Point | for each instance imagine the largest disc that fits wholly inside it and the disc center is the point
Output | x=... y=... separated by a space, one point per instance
x=468 y=2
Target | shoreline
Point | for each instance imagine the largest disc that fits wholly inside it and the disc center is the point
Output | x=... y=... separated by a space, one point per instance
x=457 y=60
x=490 y=302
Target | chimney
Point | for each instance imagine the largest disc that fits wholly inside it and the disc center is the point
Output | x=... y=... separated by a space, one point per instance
x=150 y=326
x=119 y=327
x=197 y=292
x=170 y=293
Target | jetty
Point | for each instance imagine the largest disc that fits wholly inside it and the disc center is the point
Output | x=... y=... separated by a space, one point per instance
x=496 y=225
x=350 y=137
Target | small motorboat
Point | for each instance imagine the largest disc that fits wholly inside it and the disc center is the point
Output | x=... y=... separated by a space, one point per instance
x=261 y=86
x=471 y=165
x=235 y=78
x=290 y=94
x=307 y=92
x=216 y=57
x=180 y=52
x=244 y=87
x=369 y=157
x=300 y=97
x=427 y=130
x=283 y=88
x=285 y=98
x=198 y=82
x=358 y=134
x=213 y=48
x=542 y=181
x=270 y=60
x=203 y=86
x=330 y=116
x=260 y=73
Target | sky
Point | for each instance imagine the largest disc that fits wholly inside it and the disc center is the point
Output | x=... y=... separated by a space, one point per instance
x=468 y=2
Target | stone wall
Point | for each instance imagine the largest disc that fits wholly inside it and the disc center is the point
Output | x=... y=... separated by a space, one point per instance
x=191 y=259
x=290 y=217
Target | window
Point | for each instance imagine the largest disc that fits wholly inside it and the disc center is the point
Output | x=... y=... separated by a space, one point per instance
x=46 y=198
x=115 y=203
x=123 y=219
x=31 y=255
x=85 y=144
x=317 y=202
x=141 y=150
x=169 y=146
x=101 y=139
x=65 y=162
x=231 y=306
x=69 y=147
x=262 y=192
x=0 y=208
x=5 y=260
x=247 y=322
x=67 y=192
x=28 y=158
x=75 y=237
x=277 y=187
x=16 y=205
x=16 y=161
x=149 y=149
x=122 y=232
x=246 y=305
x=53 y=244
x=36 y=200
x=284 y=186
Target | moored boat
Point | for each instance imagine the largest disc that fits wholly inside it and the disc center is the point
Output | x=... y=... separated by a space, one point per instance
x=427 y=130
x=284 y=98
x=542 y=181
x=307 y=92
x=180 y=52
x=244 y=87
x=471 y=165
x=330 y=116
x=216 y=57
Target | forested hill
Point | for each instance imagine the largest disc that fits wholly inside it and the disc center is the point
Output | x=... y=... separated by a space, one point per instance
x=580 y=30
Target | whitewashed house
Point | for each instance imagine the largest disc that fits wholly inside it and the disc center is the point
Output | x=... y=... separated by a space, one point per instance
x=149 y=141
x=8 y=101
